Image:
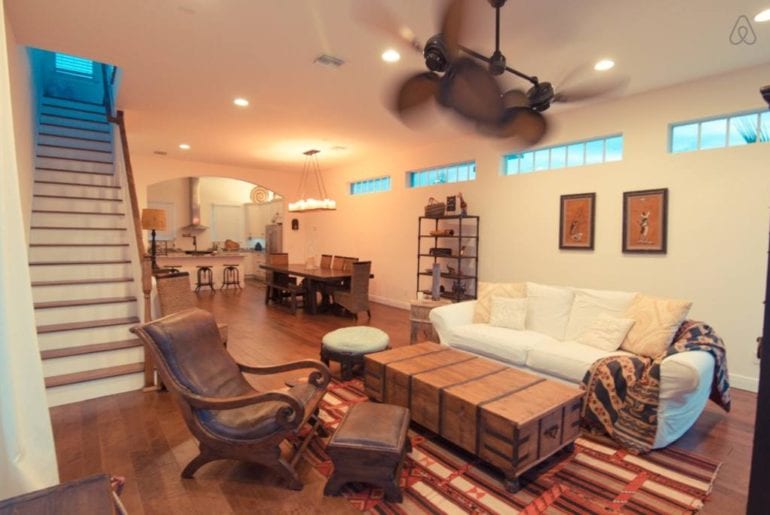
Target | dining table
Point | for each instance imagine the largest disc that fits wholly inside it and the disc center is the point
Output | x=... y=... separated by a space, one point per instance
x=315 y=278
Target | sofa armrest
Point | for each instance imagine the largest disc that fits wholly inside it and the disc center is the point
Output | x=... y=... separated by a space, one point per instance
x=686 y=372
x=450 y=315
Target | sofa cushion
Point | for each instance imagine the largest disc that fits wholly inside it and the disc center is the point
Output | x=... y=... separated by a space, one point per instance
x=657 y=320
x=485 y=291
x=606 y=333
x=498 y=343
x=568 y=360
x=548 y=309
x=588 y=304
x=509 y=313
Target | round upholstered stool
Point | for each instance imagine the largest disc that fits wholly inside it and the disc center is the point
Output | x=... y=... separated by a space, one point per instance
x=205 y=277
x=231 y=276
x=349 y=345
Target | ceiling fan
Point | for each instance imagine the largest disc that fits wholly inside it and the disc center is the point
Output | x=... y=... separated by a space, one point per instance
x=458 y=81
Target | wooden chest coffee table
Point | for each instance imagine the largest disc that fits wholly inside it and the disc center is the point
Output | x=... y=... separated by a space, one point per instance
x=509 y=418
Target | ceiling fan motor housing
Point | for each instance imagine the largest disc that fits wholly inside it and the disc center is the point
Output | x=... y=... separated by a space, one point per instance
x=435 y=54
x=540 y=96
x=766 y=94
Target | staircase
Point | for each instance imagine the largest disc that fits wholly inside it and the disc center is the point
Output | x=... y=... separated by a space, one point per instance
x=80 y=257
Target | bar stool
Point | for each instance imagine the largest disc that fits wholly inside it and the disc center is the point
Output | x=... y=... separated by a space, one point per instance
x=205 y=278
x=231 y=276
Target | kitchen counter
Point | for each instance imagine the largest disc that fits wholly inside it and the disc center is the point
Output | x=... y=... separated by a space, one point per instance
x=217 y=262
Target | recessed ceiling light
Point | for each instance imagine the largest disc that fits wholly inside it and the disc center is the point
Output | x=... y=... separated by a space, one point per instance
x=391 y=56
x=762 y=16
x=604 y=65
x=241 y=102
x=184 y=146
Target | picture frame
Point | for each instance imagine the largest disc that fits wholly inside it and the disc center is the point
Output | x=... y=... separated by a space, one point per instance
x=451 y=204
x=576 y=221
x=645 y=221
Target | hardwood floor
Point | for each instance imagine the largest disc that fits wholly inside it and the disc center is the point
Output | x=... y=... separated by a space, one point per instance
x=142 y=435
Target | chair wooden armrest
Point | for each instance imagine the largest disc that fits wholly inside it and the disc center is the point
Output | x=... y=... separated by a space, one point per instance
x=319 y=378
x=294 y=411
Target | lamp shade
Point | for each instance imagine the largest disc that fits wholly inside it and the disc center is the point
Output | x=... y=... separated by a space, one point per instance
x=154 y=219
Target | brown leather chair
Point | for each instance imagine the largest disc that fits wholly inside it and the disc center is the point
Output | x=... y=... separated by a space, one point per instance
x=226 y=415
x=356 y=298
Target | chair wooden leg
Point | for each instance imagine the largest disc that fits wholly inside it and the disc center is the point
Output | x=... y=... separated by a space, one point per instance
x=201 y=459
x=369 y=313
x=267 y=294
x=287 y=472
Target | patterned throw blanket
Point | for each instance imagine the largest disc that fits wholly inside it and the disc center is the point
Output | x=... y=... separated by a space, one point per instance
x=623 y=391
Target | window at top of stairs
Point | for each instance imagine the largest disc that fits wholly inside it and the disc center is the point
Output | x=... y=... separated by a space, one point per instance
x=73 y=65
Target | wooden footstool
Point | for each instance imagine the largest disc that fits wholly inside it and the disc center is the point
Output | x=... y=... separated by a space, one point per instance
x=369 y=447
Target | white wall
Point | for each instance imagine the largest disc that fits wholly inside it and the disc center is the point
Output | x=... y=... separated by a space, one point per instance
x=718 y=211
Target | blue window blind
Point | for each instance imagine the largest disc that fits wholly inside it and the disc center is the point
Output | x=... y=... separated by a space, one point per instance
x=459 y=172
x=370 y=185
x=731 y=130
x=577 y=153
x=74 y=65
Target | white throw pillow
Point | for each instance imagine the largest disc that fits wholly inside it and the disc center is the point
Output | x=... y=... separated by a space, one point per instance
x=548 y=309
x=508 y=312
x=589 y=304
x=657 y=320
x=606 y=332
x=485 y=291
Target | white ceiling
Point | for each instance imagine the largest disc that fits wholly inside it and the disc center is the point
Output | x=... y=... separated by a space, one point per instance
x=183 y=61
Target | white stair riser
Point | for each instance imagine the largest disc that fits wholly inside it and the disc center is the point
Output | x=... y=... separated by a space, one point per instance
x=79 y=235
x=69 y=314
x=78 y=166
x=93 y=389
x=83 y=291
x=74 y=143
x=76 y=104
x=47 y=129
x=80 y=178
x=75 y=124
x=42 y=188
x=76 y=272
x=66 y=339
x=73 y=113
x=74 y=153
x=83 y=362
x=47 y=254
x=68 y=204
x=77 y=220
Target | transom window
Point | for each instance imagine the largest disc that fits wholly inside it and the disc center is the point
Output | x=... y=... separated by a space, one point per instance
x=731 y=130
x=74 y=65
x=458 y=172
x=370 y=185
x=576 y=153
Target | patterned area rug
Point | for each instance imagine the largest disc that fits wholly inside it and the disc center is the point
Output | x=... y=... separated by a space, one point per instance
x=595 y=478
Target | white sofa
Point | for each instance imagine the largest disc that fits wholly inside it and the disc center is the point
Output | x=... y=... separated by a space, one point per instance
x=547 y=347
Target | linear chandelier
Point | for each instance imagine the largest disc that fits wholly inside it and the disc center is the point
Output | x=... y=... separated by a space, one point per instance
x=306 y=203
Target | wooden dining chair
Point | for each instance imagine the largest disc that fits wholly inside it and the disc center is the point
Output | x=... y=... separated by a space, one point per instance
x=280 y=287
x=326 y=261
x=356 y=298
x=338 y=262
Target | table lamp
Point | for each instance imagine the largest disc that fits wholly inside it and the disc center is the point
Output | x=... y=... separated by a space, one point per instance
x=154 y=220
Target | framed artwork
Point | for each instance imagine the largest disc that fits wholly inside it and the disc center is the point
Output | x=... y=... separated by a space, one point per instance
x=645 y=219
x=576 y=221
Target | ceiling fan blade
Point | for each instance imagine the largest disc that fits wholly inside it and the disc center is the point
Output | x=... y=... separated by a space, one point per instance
x=518 y=122
x=515 y=98
x=377 y=16
x=469 y=89
x=451 y=25
x=414 y=93
x=590 y=89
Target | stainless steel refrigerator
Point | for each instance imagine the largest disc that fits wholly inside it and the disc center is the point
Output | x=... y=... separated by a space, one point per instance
x=273 y=238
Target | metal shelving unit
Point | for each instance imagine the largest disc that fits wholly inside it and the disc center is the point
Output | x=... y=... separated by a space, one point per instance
x=457 y=255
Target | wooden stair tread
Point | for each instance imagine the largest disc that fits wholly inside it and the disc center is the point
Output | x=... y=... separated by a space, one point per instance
x=89 y=349
x=83 y=302
x=91 y=375
x=92 y=324
x=78 y=282
x=78 y=244
x=70 y=197
x=60 y=212
x=58 y=228
x=78 y=159
x=61 y=263
x=79 y=184
x=51 y=145
x=64 y=170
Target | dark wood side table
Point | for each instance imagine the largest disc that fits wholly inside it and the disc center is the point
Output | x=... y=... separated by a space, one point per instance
x=91 y=495
x=421 y=327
